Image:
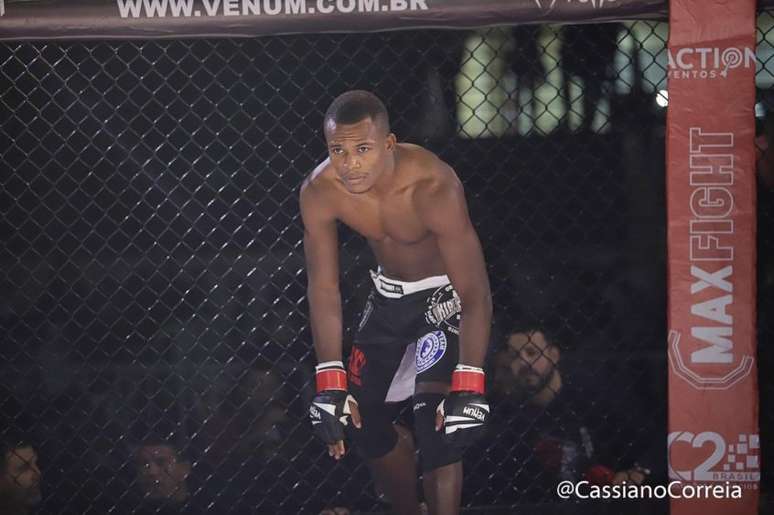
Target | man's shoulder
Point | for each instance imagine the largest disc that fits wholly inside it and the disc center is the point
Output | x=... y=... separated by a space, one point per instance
x=319 y=182
x=318 y=195
x=432 y=175
x=423 y=159
x=319 y=175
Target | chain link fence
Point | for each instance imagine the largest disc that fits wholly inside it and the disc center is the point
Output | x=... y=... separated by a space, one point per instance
x=764 y=113
x=156 y=351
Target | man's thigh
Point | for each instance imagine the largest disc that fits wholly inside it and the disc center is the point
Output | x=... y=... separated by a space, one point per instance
x=373 y=373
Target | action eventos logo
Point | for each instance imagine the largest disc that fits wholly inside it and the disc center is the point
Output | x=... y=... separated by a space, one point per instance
x=716 y=461
x=707 y=63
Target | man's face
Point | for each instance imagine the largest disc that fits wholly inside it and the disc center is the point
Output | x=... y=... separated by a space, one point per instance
x=531 y=361
x=20 y=481
x=359 y=152
x=161 y=473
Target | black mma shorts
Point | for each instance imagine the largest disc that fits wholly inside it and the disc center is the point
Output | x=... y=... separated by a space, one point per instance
x=408 y=334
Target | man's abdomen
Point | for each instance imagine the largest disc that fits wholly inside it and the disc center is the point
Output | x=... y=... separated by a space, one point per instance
x=408 y=262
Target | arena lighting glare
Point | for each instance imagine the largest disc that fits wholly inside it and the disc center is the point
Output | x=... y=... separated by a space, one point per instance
x=662 y=98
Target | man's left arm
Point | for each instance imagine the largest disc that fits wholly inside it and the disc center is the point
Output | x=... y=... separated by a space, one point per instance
x=465 y=410
x=445 y=213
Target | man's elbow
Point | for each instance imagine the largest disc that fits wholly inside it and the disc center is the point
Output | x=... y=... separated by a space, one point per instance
x=479 y=300
x=487 y=304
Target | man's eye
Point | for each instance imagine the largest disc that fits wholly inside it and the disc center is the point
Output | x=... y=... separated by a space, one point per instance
x=336 y=151
x=363 y=150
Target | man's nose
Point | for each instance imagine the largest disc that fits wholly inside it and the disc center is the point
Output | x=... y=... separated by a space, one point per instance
x=526 y=363
x=351 y=162
x=518 y=365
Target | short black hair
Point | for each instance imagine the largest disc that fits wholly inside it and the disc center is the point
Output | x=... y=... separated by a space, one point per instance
x=552 y=335
x=181 y=451
x=355 y=106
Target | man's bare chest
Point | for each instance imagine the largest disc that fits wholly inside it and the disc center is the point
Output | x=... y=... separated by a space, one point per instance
x=395 y=219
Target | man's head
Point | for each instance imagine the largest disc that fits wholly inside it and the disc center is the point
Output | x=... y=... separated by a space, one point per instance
x=161 y=471
x=19 y=474
x=360 y=144
x=529 y=364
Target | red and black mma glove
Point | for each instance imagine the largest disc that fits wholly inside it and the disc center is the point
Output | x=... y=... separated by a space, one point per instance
x=330 y=410
x=465 y=409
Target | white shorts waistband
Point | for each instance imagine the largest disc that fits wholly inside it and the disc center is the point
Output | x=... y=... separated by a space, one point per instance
x=395 y=289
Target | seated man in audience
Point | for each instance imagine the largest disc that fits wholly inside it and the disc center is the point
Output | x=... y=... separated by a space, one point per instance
x=543 y=431
x=162 y=474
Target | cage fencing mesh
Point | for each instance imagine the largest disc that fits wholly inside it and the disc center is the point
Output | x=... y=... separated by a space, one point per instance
x=156 y=350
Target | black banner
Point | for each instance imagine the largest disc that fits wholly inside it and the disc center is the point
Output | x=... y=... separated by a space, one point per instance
x=156 y=19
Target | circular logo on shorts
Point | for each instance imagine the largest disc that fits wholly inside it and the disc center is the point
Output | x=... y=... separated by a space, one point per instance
x=430 y=349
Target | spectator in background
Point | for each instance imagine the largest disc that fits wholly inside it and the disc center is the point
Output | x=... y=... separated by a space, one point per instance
x=253 y=448
x=444 y=52
x=528 y=69
x=244 y=423
x=169 y=481
x=587 y=54
x=541 y=435
x=162 y=474
x=423 y=103
x=19 y=476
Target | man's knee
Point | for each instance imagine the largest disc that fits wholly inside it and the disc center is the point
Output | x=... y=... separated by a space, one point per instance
x=434 y=450
x=377 y=436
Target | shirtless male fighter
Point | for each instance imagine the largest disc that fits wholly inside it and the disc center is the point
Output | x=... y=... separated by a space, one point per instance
x=425 y=327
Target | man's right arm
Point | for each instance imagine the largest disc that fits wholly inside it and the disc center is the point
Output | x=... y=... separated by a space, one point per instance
x=322 y=268
x=332 y=408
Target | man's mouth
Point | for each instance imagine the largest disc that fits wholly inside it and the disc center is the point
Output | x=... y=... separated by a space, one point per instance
x=529 y=379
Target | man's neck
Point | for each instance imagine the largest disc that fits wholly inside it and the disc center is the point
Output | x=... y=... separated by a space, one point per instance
x=386 y=181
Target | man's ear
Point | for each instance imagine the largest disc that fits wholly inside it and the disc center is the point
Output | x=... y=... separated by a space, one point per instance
x=554 y=354
x=391 y=141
